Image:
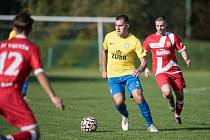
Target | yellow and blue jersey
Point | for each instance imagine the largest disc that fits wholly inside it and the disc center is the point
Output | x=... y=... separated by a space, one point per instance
x=12 y=34
x=122 y=53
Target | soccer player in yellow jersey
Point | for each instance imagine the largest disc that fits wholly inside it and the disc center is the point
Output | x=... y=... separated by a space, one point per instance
x=12 y=34
x=119 y=50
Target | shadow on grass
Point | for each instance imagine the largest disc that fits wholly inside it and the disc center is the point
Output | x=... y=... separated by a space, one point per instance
x=89 y=98
x=137 y=129
x=104 y=131
x=188 y=129
x=69 y=79
x=175 y=129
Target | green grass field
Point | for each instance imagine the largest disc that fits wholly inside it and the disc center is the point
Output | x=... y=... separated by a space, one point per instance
x=86 y=94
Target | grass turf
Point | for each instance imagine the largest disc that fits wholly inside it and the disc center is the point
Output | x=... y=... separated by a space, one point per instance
x=87 y=94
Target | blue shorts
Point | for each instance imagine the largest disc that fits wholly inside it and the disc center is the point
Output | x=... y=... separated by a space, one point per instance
x=118 y=84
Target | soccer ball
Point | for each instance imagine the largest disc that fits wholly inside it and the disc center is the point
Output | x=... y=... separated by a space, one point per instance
x=88 y=124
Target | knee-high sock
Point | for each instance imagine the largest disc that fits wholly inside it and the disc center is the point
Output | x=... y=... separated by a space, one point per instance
x=179 y=107
x=122 y=109
x=23 y=135
x=145 y=111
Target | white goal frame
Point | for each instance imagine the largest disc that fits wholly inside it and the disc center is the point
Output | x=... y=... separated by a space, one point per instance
x=98 y=20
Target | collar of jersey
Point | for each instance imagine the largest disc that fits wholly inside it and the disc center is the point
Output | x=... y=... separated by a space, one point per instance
x=20 y=36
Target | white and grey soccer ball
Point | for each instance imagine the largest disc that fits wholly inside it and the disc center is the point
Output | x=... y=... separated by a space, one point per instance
x=89 y=124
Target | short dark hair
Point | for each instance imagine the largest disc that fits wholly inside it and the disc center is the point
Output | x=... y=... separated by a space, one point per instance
x=23 y=22
x=161 y=18
x=124 y=17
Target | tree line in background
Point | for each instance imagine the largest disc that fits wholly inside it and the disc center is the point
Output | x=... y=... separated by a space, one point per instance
x=141 y=13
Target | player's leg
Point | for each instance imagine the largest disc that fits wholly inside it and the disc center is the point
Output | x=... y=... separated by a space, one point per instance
x=163 y=81
x=135 y=90
x=117 y=90
x=121 y=107
x=120 y=104
x=26 y=133
x=178 y=86
x=179 y=105
x=144 y=109
x=167 y=93
x=17 y=113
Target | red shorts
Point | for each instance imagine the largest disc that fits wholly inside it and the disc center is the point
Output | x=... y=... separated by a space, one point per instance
x=175 y=80
x=14 y=109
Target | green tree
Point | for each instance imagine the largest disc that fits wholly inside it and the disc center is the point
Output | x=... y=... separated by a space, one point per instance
x=200 y=19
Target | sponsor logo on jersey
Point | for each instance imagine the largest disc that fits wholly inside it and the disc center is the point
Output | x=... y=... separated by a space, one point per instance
x=118 y=55
x=6 y=84
x=14 y=46
x=161 y=52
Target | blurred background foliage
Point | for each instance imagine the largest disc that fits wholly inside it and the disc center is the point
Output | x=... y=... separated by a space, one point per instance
x=141 y=12
x=78 y=41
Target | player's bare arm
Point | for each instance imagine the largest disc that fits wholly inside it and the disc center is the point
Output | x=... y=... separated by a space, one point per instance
x=141 y=68
x=42 y=78
x=104 y=63
x=185 y=57
x=146 y=72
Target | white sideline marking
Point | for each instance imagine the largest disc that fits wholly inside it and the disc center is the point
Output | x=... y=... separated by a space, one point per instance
x=196 y=89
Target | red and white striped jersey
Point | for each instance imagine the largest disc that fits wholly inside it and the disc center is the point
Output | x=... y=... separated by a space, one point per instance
x=163 y=52
x=18 y=57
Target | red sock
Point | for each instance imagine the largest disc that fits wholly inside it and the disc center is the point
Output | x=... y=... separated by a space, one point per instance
x=23 y=135
x=179 y=107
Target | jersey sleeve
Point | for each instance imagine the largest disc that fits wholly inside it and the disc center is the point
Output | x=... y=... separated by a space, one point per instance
x=105 y=43
x=146 y=45
x=178 y=44
x=35 y=60
x=140 y=50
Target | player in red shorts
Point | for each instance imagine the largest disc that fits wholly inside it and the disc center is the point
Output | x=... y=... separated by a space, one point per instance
x=168 y=75
x=18 y=57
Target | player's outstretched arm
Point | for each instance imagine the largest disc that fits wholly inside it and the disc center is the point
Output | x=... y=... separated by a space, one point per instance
x=42 y=78
x=185 y=57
